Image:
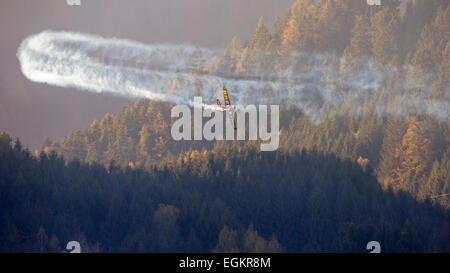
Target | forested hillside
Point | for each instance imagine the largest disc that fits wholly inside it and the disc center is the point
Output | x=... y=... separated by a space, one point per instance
x=34 y=112
x=340 y=178
x=228 y=199
x=406 y=151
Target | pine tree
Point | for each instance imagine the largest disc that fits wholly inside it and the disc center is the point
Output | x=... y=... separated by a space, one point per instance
x=54 y=244
x=326 y=32
x=384 y=42
x=262 y=37
x=231 y=56
x=253 y=243
x=444 y=75
x=360 y=43
x=394 y=131
x=122 y=149
x=227 y=242
x=42 y=240
x=280 y=26
x=145 y=144
x=289 y=40
x=433 y=40
x=94 y=147
x=416 y=155
x=246 y=63
x=74 y=145
x=165 y=228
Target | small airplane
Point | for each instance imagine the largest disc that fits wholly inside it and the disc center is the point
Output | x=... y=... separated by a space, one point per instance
x=227 y=107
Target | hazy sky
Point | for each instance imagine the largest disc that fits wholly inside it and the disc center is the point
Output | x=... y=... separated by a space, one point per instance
x=205 y=22
x=33 y=111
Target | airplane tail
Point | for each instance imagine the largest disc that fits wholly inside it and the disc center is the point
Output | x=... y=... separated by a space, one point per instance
x=227 y=105
x=225 y=95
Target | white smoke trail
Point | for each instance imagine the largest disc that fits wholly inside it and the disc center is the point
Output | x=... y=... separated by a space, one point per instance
x=92 y=63
x=313 y=83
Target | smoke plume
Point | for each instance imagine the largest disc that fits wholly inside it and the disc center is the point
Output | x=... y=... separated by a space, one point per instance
x=317 y=84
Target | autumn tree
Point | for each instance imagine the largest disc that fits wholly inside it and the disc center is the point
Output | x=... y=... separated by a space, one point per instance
x=360 y=42
x=433 y=40
x=416 y=154
x=384 y=33
x=231 y=56
x=227 y=242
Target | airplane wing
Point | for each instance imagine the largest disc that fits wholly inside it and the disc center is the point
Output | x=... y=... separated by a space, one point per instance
x=225 y=95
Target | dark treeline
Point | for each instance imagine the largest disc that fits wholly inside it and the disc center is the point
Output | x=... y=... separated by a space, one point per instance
x=229 y=199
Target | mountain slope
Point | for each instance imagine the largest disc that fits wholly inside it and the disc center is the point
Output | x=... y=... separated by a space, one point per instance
x=285 y=202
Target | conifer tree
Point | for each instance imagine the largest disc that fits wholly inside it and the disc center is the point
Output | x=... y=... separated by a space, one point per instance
x=384 y=33
x=262 y=37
